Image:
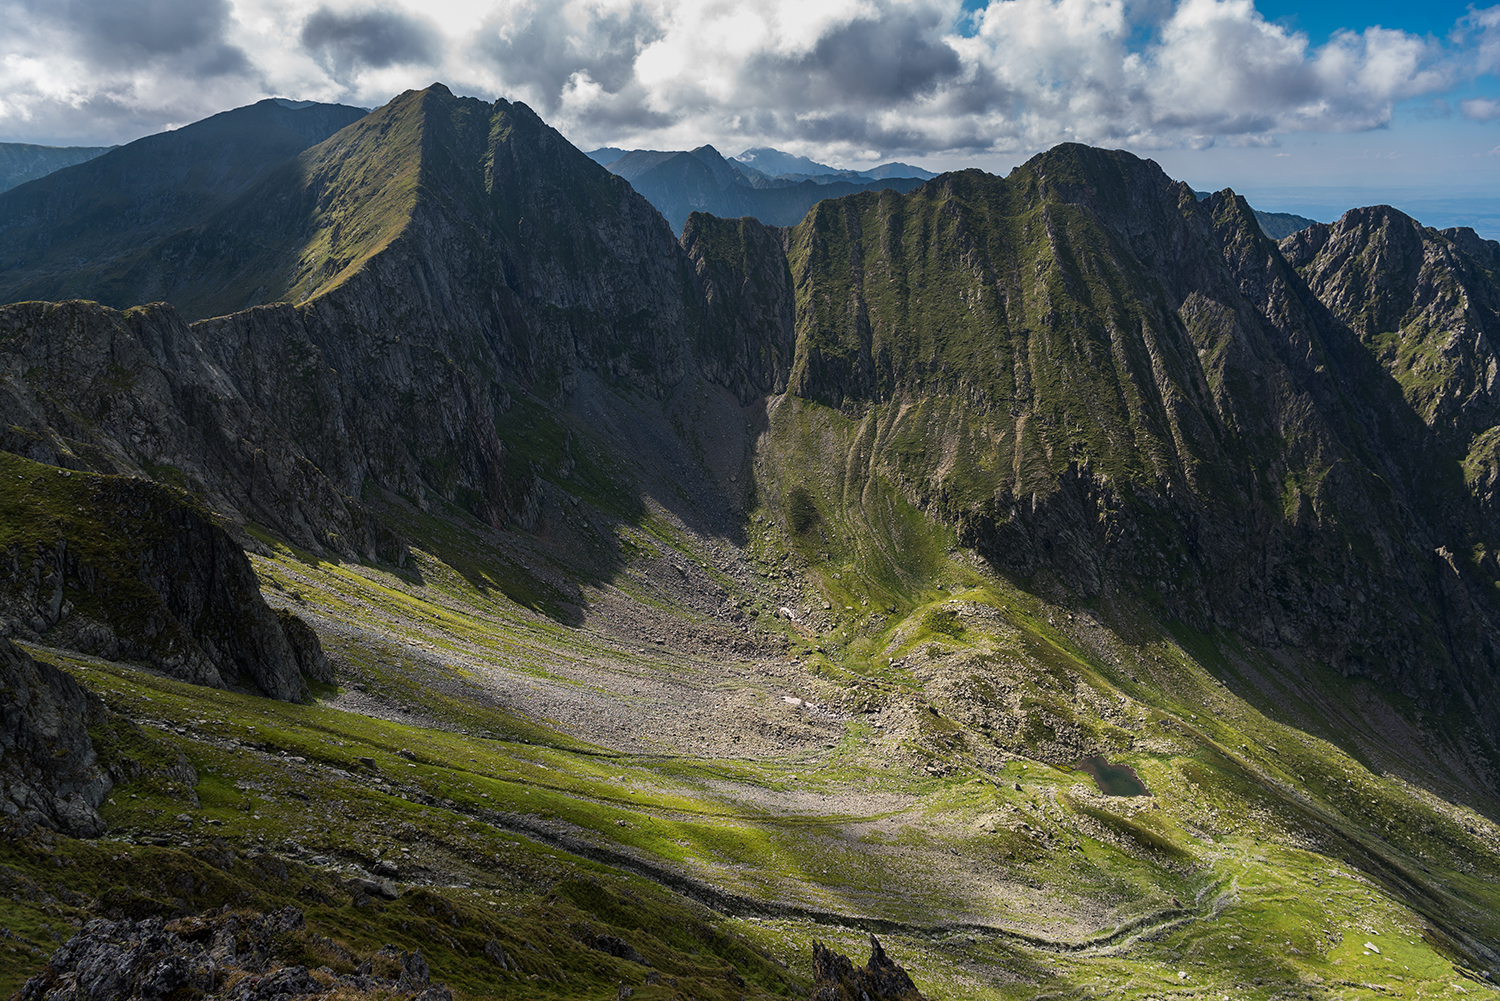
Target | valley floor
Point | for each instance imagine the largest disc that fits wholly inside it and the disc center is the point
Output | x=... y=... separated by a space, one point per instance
x=668 y=754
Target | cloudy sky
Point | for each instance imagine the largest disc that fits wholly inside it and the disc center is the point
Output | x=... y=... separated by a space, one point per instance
x=1295 y=104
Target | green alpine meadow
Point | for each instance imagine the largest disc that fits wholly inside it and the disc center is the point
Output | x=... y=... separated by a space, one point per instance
x=425 y=574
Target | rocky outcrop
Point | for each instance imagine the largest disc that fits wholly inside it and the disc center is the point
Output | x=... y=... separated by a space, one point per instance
x=140 y=392
x=49 y=773
x=836 y=978
x=130 y=570
x=306 y=647
x=225 y=954
x=1425 y=303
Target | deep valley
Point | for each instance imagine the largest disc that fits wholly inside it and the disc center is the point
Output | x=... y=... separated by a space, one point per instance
x=416 y=534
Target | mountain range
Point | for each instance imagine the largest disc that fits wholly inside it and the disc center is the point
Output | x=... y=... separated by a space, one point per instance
x=454 y=568
x=775 y=163
x=679 y=183
x=22 y=162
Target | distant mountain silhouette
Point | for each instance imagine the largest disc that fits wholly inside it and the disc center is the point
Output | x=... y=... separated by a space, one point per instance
x=22 y=162
x=775 y=163
x=679 y=183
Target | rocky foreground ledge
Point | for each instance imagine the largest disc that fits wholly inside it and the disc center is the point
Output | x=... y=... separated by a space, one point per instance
x=225 y=955
x=229 y=955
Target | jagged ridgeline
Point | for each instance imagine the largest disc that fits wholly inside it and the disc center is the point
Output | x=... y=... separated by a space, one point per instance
x=465 y=386
x=439 y=250
x=1107 y=385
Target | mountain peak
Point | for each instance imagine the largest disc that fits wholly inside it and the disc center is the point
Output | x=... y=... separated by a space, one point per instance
x=773 y=161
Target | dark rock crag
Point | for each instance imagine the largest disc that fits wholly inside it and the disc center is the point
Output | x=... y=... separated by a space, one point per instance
x=49 y=772
x=195 y=957
x=836 y=978
x=129 y=570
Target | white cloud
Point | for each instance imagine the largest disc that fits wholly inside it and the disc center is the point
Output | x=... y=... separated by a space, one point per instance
x=837 y=79
x=1480 y=109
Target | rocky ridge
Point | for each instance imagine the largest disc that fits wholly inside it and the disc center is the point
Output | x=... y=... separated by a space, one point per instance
x=836 y=978
x=226 y=955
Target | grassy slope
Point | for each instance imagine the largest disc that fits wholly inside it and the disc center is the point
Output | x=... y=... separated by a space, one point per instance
x=1265 y=854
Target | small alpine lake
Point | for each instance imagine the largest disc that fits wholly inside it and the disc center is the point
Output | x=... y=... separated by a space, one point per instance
x=1113 y=780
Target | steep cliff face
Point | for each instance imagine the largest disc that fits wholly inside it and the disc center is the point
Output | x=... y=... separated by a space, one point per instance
x=140 y=392
x=125 y=569
x=1094 y=374
x=1425 y=303
x=745 y=332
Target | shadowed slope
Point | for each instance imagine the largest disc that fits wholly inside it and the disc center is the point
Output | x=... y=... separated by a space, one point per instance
x=22 y=162
x=90 y=230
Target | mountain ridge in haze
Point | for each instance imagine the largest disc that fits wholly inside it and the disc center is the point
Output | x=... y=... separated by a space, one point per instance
x=22 y=162
x=702 y=180
x=774 y=163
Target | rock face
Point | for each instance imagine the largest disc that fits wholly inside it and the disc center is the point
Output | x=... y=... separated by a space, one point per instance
x=748 y=306
x=139 y=392
x=126 y=569
x=154 y=960
x=1425 y=303
x=49 y=773
x=836 y=978
x=1112 y=387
